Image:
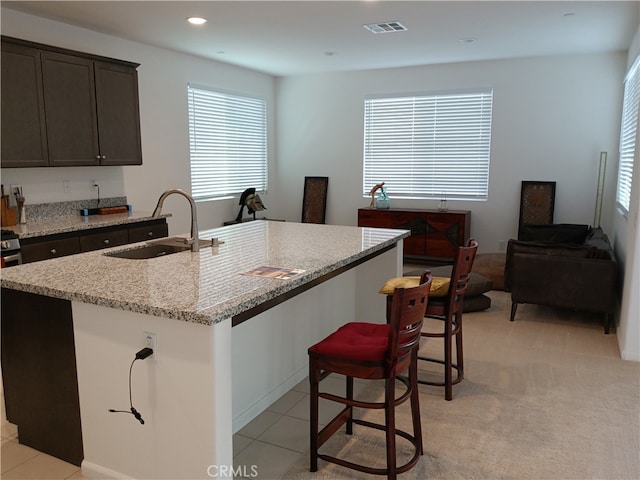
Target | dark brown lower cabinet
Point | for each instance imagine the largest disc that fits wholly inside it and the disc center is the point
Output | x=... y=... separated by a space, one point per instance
x=148 y=231
x=105 y=238
x=39 y=373
x=62 y=244
x=51 y=246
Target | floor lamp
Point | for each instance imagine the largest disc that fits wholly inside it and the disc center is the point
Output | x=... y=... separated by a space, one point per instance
x=600 y=191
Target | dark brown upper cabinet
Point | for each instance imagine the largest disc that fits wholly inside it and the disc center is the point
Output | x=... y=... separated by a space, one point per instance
x=70 y=110
x=89 y=105
x=24 y=135
x=118 y=114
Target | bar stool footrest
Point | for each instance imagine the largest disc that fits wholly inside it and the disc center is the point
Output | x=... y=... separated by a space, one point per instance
x=455 y=381
x=377 y=471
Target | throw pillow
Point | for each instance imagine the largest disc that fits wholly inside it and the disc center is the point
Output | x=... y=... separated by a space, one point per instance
x=439 y=285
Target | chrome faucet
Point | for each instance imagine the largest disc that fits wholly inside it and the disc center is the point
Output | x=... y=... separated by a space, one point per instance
x=193 y=241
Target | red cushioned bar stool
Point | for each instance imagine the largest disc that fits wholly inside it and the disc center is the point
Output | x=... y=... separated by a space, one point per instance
x=373 y=351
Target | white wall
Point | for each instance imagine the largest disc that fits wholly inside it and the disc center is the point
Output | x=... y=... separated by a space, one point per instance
x=162 y=76
x=628 y=235
x=552 y=117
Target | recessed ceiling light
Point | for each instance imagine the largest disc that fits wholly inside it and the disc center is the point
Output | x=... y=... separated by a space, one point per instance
x=468 y=40
x=385 y=27
x=329 y=54
x=196 y=20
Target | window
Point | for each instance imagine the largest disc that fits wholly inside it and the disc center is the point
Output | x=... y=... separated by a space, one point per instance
x=228 y=143
x=427 y=146
x=628 y=135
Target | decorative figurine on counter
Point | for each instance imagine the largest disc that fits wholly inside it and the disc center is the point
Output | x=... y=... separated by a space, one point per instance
x=382 y=201
x=252 y=201
x=373 y=191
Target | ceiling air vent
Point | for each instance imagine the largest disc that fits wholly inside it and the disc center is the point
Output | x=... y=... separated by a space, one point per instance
x=387 y=27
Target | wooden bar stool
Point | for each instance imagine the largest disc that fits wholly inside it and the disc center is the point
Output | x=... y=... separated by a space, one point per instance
x=373 y=351
x=449 y=310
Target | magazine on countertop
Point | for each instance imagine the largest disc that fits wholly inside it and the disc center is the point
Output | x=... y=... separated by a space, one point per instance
x=274 y=272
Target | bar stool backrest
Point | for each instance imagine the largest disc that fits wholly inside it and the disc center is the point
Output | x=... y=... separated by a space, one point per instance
x=408 y=307
x=460 y=274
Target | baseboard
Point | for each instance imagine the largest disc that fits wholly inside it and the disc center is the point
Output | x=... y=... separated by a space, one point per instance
x=630 y=356
x=92 y=470
x=261 y=405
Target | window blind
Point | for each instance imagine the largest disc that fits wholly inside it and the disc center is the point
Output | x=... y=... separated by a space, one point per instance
x=427 y=146
x=628 y=135
x=228 y=143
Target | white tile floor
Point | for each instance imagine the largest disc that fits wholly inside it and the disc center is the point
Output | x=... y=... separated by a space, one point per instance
x=274 y=440
x=21 y=462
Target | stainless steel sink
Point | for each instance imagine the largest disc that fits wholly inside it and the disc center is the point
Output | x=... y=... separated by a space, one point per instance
x=160 y=248
x=149 y=251
x=181 y=242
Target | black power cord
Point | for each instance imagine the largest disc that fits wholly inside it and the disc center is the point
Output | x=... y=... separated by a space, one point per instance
x=141 y=355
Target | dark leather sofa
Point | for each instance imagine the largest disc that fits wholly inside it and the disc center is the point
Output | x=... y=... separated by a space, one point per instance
x=562 y=265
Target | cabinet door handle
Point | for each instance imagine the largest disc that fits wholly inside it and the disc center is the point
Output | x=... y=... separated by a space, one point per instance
x=97 y=157
x=53 y=251
x=104 y=157
x=150 y=234
x=106 y=242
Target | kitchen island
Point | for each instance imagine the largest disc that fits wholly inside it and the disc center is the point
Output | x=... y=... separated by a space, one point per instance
x=228 y=343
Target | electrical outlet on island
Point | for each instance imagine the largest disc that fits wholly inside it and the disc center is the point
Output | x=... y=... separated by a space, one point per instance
x=151 y=341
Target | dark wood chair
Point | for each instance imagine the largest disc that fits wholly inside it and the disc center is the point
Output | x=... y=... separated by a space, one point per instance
x=373 y=351
x=449 y=310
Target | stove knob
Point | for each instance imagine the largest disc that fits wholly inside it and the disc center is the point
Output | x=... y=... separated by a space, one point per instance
x=5 y=245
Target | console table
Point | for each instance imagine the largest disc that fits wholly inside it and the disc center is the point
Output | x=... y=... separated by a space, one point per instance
x=434 y=234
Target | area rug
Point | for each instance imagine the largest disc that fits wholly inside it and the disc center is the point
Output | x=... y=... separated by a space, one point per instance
x=521 y=413
x=515 y=438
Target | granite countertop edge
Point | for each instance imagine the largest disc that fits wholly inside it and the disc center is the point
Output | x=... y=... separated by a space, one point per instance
x=78 y=223
x=210 y=315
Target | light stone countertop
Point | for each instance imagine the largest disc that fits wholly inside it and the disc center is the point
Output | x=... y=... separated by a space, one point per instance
x=208 y=286
x=78 y=223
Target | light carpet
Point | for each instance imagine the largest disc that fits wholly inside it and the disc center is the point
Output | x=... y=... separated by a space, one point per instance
x=544 y=397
